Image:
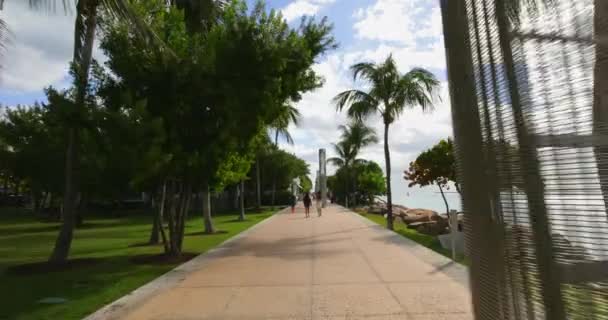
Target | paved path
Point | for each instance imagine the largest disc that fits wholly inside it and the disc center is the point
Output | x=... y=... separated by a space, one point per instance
x=339 y=266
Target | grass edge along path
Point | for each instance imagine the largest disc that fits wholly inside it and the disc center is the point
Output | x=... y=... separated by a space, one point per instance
x=115 y=261
x=424 y=240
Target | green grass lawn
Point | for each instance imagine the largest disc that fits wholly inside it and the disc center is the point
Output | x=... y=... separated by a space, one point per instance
x=423 y=239
x=112 y=242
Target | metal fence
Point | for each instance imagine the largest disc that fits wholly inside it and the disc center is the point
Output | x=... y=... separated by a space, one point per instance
x=529 y=91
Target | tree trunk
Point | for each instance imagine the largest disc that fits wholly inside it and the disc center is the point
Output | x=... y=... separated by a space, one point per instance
x=64 y=239
x=207 y=209
x=172 y=201
x=86 y=16
x=447 y=207
x=346 y=186
x=389 y=196
x=236 y=198
x=37 y=199
x=160 y=218
x=600 y=91
x=258 y=184
x=242 y=197
x=5 y=192
x=274 y=174
x=184 y=208
x=78 y=210
x=154 y=233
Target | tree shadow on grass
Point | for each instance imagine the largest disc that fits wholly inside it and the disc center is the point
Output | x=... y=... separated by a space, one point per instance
x=87 y=284
x=145 y=244
x=203 y=233
x=46 y=267
x=237 y=220
x=162 y=259
x=55 y=226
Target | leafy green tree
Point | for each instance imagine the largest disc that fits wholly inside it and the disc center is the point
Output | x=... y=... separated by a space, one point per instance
x=279 y=168
x=215 y=94
x=305 y=183
x=389 y=94
x=369 y=182
x=434 y=166
x=28 y=137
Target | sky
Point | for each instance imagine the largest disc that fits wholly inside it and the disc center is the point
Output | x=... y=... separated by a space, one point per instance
x=366 y=30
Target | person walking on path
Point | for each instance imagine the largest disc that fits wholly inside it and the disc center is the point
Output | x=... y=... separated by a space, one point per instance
x=307 y=203
x=319 y=202
x=294 y=200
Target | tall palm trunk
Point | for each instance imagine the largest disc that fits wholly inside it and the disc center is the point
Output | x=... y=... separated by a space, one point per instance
x=242 y=198
x=274 y=174
x=258 y=184
x=86 y=16
x=346 y=183
x=207 y=210
x=600 y=94
x=389 y=196
x=447 y=206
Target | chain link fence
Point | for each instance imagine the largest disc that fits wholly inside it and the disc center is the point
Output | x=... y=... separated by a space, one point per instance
x=529 y=90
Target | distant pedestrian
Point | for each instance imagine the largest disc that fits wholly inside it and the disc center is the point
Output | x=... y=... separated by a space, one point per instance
x=319 y=203
x=307 y=203
x=294 y=200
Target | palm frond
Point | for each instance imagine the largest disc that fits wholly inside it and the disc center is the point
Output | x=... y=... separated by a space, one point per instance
x=358 y=135
x=286 y=135
x=365 y=70
x=361 y=110
x=350 y=97
x=338 y=162
x=418 y=87
x=359 y=161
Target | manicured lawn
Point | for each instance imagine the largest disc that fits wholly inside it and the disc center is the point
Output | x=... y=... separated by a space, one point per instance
x=423 y=239
x=111 y=245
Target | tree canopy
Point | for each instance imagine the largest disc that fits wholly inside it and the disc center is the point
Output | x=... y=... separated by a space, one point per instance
x=435 y=166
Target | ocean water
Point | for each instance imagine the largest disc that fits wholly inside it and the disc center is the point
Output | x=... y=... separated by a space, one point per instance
x=426 y=198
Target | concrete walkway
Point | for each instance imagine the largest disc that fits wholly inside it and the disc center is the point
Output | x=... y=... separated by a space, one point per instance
x=339 y=266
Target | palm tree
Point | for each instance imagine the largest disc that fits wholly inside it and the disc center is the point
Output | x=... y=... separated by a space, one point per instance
x=358 y=134
x=354 y=137
x=287 y=115
x=389 y=95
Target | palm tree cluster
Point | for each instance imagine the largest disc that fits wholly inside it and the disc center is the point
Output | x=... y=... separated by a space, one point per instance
x=390 y=93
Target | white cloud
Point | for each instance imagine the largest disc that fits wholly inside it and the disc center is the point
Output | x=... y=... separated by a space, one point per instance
x=40 y=49
x=301 y=8
x=400 y=21
x=385 y=20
